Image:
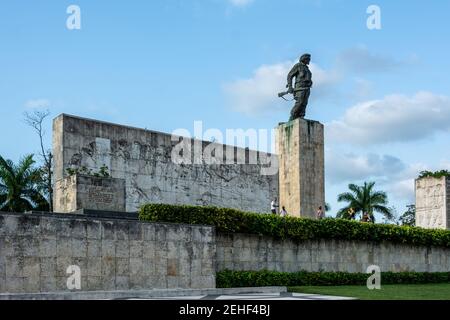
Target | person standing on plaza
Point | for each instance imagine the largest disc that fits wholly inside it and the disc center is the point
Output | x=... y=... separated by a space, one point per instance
x=274 y=205
x=320 y=214
x=283 y=212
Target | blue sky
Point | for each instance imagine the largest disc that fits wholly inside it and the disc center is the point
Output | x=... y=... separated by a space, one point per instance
x=383 y=95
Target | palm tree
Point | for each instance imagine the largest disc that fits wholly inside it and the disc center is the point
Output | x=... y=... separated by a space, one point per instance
x=364 y=199
x=21 y=186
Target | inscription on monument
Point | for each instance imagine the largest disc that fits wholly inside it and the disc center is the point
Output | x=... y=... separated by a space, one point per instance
x=101 y=195
x=88 y=192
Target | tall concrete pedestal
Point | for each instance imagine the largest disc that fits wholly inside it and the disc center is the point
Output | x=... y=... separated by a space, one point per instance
x=300 y=147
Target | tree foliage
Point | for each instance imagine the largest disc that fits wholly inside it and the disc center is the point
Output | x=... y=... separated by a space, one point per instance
x=21 y=186
x=36 y=120
x=437 y=174
x=226 y=220
x=236 y=279
x=409 y=217
x=364 y=199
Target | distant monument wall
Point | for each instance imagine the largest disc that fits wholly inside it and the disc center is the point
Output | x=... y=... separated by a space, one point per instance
x=143 y=159
x=433 y=203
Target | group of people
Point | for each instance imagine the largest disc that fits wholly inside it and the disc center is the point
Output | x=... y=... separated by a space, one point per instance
x=320 y=214
x=365 y=217
x=274 y=205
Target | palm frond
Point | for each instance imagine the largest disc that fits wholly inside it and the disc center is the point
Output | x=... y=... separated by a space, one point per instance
x=24 y=166
x=379 y=197
x=356 y=189
x=365 y=199
x=387 y=212
x=3 y=198
x=346 y=196
x=20 y=185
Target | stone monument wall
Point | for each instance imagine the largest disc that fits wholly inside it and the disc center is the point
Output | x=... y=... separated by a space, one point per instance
x=143 y=159
x=433 y=203
x=36 y=250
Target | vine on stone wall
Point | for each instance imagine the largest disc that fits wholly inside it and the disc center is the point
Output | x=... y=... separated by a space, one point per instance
x=103 y=172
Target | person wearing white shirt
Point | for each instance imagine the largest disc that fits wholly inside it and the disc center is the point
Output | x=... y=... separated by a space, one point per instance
x=274 y=206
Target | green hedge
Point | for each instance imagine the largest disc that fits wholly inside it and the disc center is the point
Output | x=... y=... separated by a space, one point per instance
x=234 y=279
x=297 y=229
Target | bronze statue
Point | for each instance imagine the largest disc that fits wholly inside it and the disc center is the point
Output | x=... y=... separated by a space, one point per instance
x=302 y=88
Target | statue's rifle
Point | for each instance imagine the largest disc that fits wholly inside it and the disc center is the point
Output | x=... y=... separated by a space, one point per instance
x=292 y=90
x=282 y=94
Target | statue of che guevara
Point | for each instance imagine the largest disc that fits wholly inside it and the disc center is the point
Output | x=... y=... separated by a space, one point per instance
x=302 y=88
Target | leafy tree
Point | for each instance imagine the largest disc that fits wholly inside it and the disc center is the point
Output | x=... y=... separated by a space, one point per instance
x=409 y=217
x=36 y=120
x=21 y=186
x=362 y=199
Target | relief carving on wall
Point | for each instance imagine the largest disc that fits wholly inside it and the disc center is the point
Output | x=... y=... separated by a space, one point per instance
x=430 y=210
x=151 y=176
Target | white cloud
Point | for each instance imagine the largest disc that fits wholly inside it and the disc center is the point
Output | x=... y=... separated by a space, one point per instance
x=240 y=3
x=401 y=185
x=403 y=189
x=360 y=60
x=394 y=118
x=37 y=104
x=349 y=167
x=258 y=94
x=390 y=173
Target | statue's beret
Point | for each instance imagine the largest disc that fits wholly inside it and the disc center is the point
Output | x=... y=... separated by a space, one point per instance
x=306 y=55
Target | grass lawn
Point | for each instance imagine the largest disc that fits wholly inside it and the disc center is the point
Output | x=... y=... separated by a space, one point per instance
x=439 y=291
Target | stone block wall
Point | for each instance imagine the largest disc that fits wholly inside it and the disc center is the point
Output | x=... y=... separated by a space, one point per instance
x=252 y=252
x=36 y=250
x=118 y=254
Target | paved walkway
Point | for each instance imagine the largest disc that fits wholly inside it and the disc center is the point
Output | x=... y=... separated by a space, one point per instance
x=254 y=296
x=256 y=293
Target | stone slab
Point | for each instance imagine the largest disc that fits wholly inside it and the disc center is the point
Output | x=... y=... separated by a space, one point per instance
x=143 y=294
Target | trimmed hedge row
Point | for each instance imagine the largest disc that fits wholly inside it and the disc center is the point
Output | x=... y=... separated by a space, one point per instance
x=234 y=279
x=297 y=229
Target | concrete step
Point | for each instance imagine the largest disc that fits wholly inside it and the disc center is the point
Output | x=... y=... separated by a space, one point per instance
x=138 y=294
